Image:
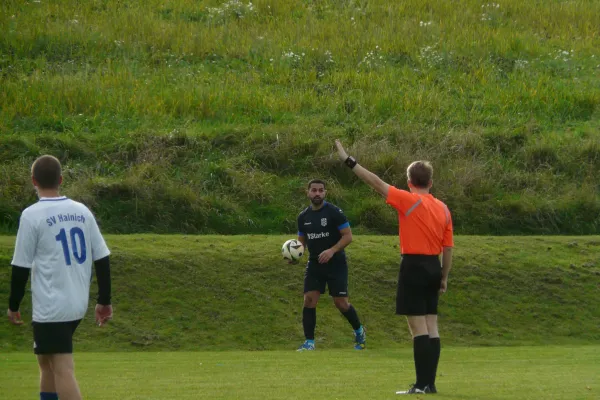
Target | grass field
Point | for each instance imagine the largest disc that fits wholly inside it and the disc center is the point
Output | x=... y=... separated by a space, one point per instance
x=210 y=116
x=521 y=373
x=173 y=292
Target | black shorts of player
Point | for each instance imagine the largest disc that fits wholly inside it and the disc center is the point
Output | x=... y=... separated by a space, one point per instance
x=418 y=285
x=332 y=275
x=54 y=337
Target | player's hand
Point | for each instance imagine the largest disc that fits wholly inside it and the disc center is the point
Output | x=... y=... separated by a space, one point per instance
x=443 y=286
x=326 y=256
x=103 y=314
x=341 y=152
x=14 y=317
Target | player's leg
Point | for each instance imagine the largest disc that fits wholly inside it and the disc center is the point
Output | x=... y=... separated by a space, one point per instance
x=64 y=377
x=337 y=281
x=55 y=341
x=47 y=387
x=434 y=341
x=435 y=278
x=314 y=285
x=411 y=301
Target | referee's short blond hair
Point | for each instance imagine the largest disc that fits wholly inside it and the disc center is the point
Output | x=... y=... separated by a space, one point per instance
x=419 y=173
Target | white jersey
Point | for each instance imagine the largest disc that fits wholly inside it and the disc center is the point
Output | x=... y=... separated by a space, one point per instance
x=58 y=239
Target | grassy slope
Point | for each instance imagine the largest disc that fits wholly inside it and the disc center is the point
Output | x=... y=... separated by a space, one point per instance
x=219 y=292
x=183 y=117
x=552 y=373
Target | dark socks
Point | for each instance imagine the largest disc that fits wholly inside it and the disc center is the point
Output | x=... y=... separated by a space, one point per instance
x=352 y=317
x=435 y=356
x=309 y=321
x=48 y=396
x=422 y=354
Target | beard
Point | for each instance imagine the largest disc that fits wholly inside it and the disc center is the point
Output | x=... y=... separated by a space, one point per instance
x=317 y=201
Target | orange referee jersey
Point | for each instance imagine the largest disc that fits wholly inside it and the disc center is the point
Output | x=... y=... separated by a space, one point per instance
x=425 y=222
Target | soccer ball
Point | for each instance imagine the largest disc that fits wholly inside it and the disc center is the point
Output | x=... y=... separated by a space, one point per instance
x=292 y=250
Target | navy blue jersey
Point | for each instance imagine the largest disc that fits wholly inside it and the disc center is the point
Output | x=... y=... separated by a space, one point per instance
x=321 y=230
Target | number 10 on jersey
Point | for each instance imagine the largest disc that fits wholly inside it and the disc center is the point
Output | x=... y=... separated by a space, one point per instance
x=79 y=252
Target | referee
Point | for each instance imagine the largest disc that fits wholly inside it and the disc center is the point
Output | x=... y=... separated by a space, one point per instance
x=425 y=233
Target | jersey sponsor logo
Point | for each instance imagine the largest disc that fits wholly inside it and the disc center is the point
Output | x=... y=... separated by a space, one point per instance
x=319 y=235
x=323 y=221
x=308 y=223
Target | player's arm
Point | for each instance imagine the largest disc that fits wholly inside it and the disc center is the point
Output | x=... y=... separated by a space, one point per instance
x=22 y=261
x=103 y=305
x=301 y=236
x=447 y=245
x=18 y=281
x=100 y=255
x=344 y=241
x=364 y=174
x=446 y=266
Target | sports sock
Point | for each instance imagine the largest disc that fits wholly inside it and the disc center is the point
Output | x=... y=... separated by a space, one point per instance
x=422 y=356
x=48 y=396
x=352 y=317
x=309 y=321
x=435 y=351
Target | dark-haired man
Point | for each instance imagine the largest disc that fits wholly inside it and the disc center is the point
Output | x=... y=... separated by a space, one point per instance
x=58 y=239
x=325 y=230
x=425 y=227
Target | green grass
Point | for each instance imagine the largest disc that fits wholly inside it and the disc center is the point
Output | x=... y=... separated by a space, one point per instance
x=235 y=293
x=182 y=118
x=565 y=372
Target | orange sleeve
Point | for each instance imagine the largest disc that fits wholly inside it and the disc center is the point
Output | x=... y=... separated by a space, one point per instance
x=448 y=240
x=401 y=200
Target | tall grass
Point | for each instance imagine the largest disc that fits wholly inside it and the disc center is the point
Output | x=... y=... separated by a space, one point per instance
x=209 y=116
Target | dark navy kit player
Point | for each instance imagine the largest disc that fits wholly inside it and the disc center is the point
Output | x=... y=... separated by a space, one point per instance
x=325 y=231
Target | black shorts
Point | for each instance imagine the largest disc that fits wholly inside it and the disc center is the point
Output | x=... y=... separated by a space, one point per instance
x=54 y=337
x=335 y=276
x=418 y=285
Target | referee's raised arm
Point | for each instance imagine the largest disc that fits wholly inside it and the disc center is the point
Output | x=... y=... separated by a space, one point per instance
x=367 y=176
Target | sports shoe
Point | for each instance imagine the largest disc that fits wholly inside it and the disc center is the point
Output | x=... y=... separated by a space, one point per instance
x=360 y=339
x=415 y=390
x=306 y=346
x=432 y=388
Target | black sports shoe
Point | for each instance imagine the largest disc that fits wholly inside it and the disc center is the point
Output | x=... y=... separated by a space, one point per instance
x=415 y=390
x=432 y=388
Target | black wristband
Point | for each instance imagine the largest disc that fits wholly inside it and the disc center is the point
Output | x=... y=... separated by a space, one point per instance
x=350 y=162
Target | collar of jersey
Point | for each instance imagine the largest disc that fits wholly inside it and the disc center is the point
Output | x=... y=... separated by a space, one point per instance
x=53 y=198
x=324 y=204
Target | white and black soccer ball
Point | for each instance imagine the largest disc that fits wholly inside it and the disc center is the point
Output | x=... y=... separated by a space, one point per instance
x=292 y=250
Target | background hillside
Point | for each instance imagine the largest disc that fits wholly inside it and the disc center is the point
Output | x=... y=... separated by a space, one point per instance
x=210 y=116
x=218 y=292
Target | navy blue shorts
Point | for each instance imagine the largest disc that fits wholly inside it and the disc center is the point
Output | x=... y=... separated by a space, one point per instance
x=334 y=276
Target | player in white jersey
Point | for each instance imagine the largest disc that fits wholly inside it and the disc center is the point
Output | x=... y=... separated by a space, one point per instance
x=58 y=240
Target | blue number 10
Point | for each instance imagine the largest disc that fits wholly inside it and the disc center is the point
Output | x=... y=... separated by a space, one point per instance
x=79 y=252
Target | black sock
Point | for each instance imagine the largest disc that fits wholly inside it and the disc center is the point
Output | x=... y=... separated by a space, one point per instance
x=435 y=351
x=422 y=355
x=352 y=317
x=309 y=321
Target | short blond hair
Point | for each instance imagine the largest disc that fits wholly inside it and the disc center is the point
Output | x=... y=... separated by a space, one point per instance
x=419 y=173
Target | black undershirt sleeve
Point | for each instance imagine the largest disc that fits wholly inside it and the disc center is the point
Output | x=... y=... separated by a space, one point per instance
x=18 y=282
x=103 y=277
